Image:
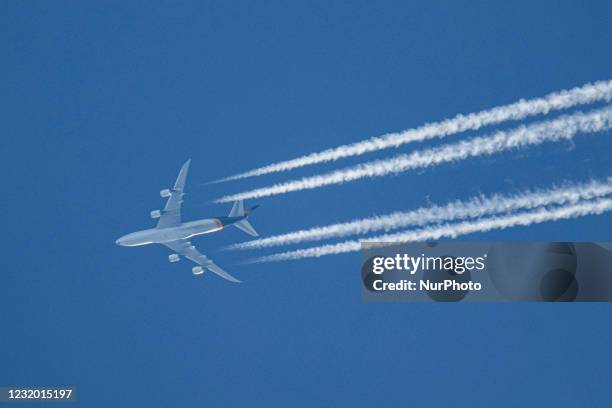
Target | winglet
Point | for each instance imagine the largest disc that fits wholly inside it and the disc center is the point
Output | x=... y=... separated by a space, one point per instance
x=179 y=185
x=216 y=269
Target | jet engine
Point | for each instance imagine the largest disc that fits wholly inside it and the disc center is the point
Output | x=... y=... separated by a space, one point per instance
x=156 y=214
x=197 y=270
x=174 y=258
x=166 y=192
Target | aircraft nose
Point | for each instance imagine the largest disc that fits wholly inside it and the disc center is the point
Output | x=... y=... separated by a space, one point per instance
x=119 y=241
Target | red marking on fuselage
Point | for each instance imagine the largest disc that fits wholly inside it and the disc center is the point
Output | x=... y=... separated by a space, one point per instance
x=218 y=223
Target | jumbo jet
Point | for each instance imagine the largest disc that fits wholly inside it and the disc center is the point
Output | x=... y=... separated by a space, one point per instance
x=174 y=234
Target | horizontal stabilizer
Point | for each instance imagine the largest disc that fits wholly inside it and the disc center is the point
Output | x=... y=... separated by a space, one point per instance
x=245 y=226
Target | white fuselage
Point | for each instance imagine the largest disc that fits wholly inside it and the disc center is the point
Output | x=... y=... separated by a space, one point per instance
x=161 y=235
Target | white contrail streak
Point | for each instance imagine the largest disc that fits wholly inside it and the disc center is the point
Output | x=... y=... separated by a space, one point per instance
x=454 y=211
x=589 y=93
x=562 y=128
x=452 y=230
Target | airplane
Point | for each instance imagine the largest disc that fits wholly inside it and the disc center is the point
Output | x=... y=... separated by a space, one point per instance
x=174 y=234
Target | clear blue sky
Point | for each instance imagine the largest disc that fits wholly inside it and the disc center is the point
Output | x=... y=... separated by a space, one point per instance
x=102 y=103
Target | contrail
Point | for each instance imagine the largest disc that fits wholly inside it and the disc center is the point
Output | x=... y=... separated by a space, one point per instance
x=454 y=211
x=588 y=93
x=561 y=128
x=452 y=230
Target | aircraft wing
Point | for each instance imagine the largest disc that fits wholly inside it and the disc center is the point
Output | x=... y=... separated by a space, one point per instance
x=189 y=251
x=171 y=216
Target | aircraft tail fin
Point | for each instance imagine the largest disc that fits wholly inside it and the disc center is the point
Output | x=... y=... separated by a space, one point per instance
x=239 y=211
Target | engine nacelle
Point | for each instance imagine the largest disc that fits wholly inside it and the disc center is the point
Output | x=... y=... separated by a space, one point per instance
x=174 y=258
x=197 y=270
x=156 y=214
x=166 y=192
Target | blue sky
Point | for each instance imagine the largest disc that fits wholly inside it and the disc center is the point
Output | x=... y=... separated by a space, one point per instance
x=102 y=103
